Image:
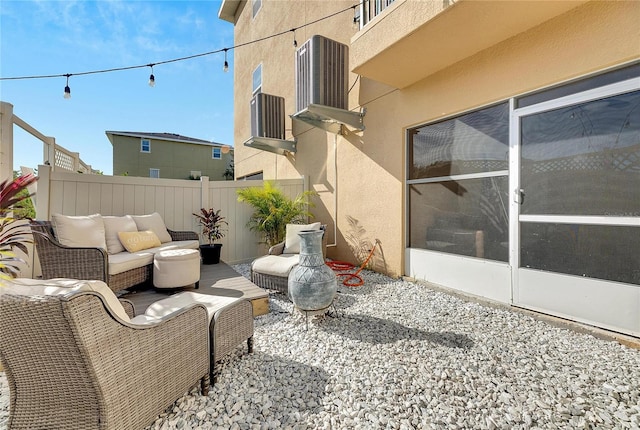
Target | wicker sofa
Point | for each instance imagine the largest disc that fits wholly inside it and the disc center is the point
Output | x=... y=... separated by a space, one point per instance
x=75 y=359
x=119 y=270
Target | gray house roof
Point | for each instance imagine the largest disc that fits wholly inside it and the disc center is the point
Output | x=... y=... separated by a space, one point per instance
x=163 y=136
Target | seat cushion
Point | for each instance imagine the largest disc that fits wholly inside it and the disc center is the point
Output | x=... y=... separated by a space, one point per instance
x=292 y=241
x=184 y=299
x=123 y=261
x=114 y=225
x=275 y=265
x=79 y=231
x=63 y=286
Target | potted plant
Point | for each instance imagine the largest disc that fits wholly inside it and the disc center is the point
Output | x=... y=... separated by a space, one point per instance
x=211 y=222
x=273 y=210
x=14 y=234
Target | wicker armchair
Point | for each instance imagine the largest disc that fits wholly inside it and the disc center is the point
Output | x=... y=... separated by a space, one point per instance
x=73 y=362
x=59 y=261
x=278 y=280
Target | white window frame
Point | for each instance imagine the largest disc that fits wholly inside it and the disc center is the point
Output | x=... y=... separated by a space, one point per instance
x=142 y=145
x=216 y=153
x=257 y=72
x=152 y=171
x=253 y=7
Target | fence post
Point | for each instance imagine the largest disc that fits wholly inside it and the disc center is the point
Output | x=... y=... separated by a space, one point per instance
x=49 y=155
x=6 y=141
x=44 y=193
x=76 y=162
x=204 y=192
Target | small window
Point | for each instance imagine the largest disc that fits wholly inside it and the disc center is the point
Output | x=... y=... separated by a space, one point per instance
x=256 y=5
x=257 y=79
x=145 y=145
x=154 y=173
x=216 y=153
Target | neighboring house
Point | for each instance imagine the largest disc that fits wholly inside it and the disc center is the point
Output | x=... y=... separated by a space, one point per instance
x=501 y=150
x=169 y=155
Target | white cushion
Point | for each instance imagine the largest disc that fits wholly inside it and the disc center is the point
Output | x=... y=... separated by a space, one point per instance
x=62 y=286
x=123 y=261
x=114 y=225
x=79 y=231
x=292 y=241
x=167 y=306
x=275 y=265
x=154 y=223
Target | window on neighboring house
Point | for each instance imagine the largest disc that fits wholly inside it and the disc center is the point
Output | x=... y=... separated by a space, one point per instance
x=145 y=145
x=256 y=5
x=154 y=173
x=257 y=79
x=216 y=153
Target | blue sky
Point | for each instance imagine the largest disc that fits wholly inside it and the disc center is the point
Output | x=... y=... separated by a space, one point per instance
x=192 y=97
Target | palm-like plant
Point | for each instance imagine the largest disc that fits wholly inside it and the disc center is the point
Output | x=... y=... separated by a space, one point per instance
x=13 y=235
x=273 y=210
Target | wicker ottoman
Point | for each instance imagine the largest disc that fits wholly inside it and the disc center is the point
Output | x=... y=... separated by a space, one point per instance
x=175 y=268
x=231 y=320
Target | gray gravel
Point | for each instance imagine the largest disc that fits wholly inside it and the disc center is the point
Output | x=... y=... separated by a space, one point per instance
x=398 y=355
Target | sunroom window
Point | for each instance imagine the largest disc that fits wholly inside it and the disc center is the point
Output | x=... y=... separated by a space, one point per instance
x=458 y=184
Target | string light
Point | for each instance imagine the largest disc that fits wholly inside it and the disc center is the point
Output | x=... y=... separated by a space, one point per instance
x=67 y=90
x=152 y=79
x=356 y=19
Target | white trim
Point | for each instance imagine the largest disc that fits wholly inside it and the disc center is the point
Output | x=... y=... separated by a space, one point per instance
x=514 y=187
x=582 y=97
x=142 y=141
x=213 y=152
x=151 y=169
x=480 y=175
x=608 y=304
x=259 y=87
x=583 y=219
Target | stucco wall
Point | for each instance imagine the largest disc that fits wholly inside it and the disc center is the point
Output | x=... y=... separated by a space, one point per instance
x=371 y=164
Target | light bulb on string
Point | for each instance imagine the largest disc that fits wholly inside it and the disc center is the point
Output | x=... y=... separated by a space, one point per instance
x=67 y=90
x=356 y=19
x=226 y=64
x=152 y=79
x=295 y=42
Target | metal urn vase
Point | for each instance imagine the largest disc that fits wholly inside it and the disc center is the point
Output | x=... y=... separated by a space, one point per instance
x=312 y=284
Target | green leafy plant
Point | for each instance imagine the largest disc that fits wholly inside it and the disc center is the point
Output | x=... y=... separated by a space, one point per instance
x=273 y=210
x=13 y=235
x=211 y=222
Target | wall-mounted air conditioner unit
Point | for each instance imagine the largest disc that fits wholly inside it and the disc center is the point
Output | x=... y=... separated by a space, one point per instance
x=267 y=116
x=267 y=125
x=322 y=72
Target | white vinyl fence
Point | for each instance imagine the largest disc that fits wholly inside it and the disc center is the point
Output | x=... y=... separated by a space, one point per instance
x=174 y=199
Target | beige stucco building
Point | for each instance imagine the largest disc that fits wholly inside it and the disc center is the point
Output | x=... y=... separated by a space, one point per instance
x=500 y=154
x=168 y=155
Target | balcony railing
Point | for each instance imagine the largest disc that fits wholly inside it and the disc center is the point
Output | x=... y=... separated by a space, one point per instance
x=369 y=9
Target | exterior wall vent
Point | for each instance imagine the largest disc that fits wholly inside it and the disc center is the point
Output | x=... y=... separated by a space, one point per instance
x=322 y=73
x=267 y=116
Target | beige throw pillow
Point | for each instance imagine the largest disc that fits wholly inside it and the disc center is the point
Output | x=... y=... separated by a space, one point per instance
x=112 y=226
x=139 y=240
x=292 y=241
x=154 y=223
x=79 y=231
